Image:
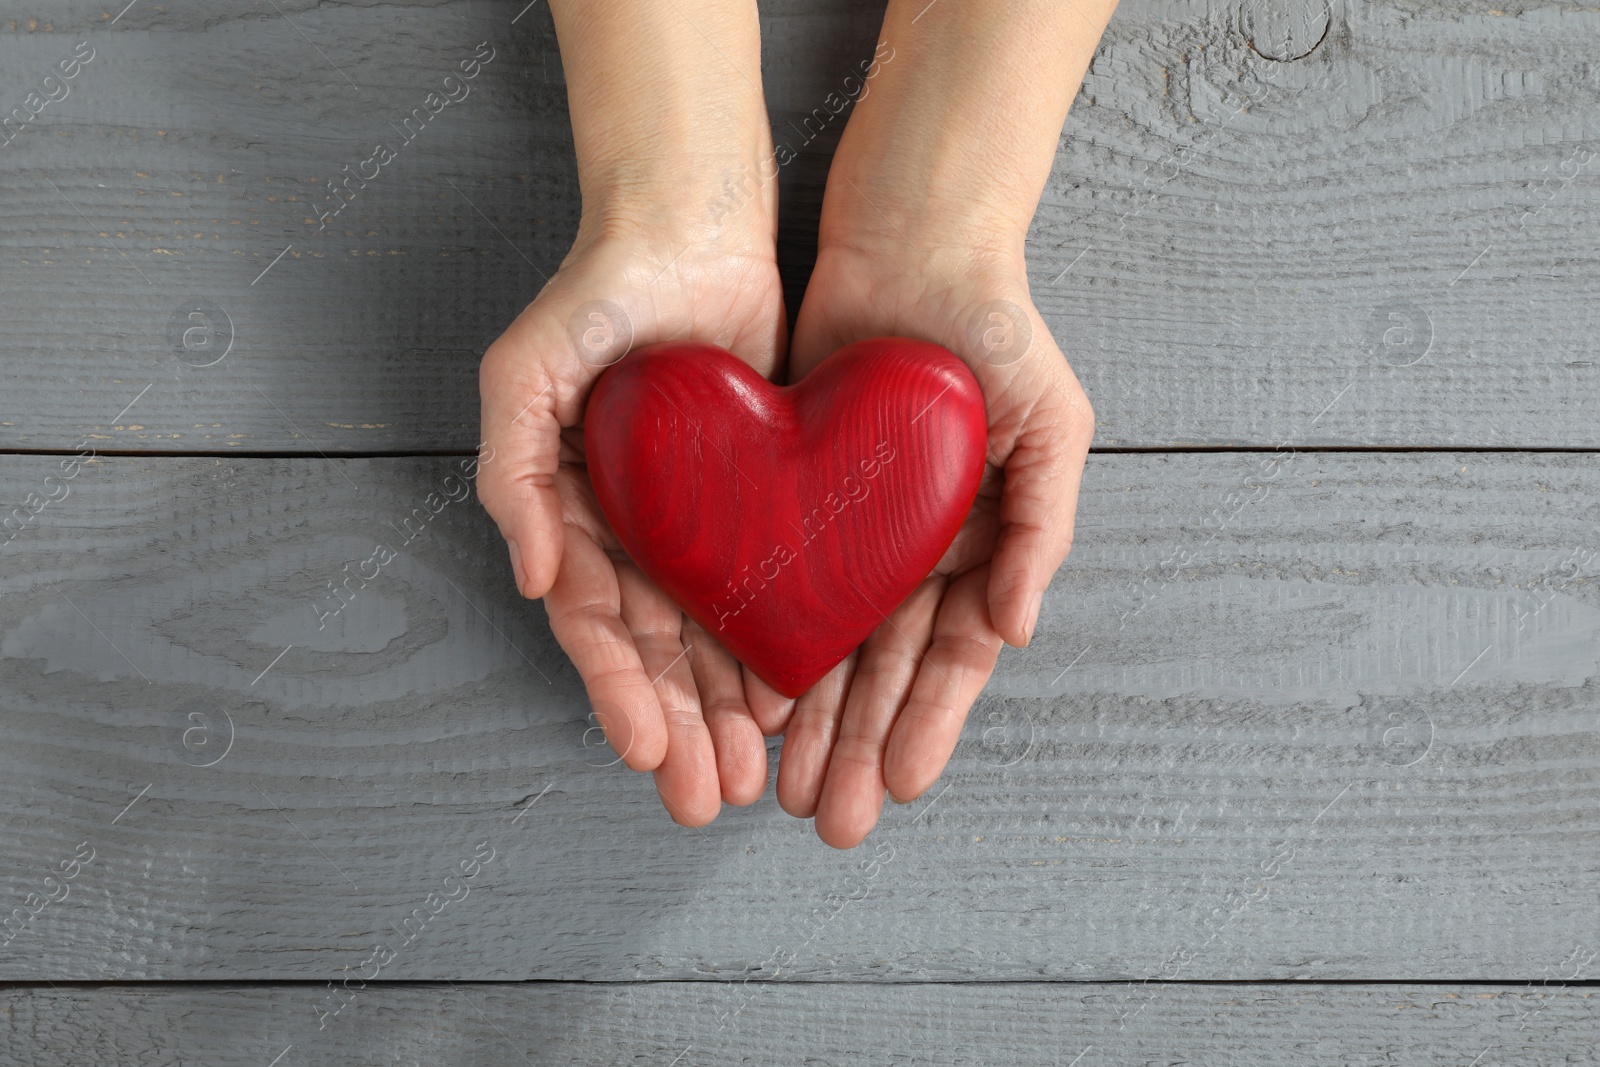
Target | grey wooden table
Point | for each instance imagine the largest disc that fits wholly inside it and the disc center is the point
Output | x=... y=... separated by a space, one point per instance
x=1302 y=768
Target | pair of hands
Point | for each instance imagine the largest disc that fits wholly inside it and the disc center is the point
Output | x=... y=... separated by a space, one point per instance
x=663 y=266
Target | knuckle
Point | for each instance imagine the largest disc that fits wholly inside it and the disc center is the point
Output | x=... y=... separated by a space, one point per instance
x=1086 y=410
x=878 y=661
x=967 y=651
x=682 y=716
x=1080 y=415
x=619 y=683
x=723 y=708
x=856 y=750
x=494 y=493
x=497 y=358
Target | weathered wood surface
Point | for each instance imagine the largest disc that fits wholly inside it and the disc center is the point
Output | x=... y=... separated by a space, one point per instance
x=705 y=1023
x=1333 y=718
x=1387 y=241
x=1391 y=239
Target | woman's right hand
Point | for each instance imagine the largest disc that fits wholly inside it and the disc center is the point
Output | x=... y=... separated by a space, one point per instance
x=669 y=698
x=677 y=242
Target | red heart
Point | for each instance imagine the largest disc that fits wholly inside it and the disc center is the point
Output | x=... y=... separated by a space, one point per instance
x=789 y=522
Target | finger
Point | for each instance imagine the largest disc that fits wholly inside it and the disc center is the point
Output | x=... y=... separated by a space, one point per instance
x=687 y=775
x=584 y=604
x=771 y=709
x=519 y=455
x=853 y=790
x=803 y=763
x=740 y=749
x=1043 y=474
x=960 y=659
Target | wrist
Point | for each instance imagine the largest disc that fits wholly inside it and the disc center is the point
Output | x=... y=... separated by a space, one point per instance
x=668 y=120
x=952 y=147
x=916 y=170
x=950 y=229
x=715 y=203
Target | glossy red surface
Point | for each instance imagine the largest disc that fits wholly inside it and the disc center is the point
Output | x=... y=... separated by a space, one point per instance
x=790 y=521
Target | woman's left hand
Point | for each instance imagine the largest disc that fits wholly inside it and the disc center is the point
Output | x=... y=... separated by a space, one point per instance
x=887 y=719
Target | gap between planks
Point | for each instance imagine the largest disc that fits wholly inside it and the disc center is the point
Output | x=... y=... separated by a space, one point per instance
x=1143 y=450
x=271 y=983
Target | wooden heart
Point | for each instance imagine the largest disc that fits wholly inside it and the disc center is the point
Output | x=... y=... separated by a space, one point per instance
x=789 y=522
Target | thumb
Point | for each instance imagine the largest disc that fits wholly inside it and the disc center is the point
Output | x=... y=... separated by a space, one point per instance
x=533 y=381
x=1040 y=497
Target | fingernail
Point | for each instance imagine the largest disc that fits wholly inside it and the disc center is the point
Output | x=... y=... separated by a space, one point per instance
x=516 y=566
x=1033 y=617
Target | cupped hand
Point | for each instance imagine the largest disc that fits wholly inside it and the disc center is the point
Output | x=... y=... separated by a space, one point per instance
x=669 y=698
x=888 y=718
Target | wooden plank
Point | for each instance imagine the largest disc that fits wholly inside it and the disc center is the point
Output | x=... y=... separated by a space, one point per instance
x=1386 y=241
x=1047 y=1024
x=1382 y=242
x=1313 y=715
x=196 y=147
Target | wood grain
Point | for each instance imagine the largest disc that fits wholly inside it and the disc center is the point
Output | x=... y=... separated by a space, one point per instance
x=1390 y=240
x=1044 y=1024
x=1383 y=242
x=1297 y=715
